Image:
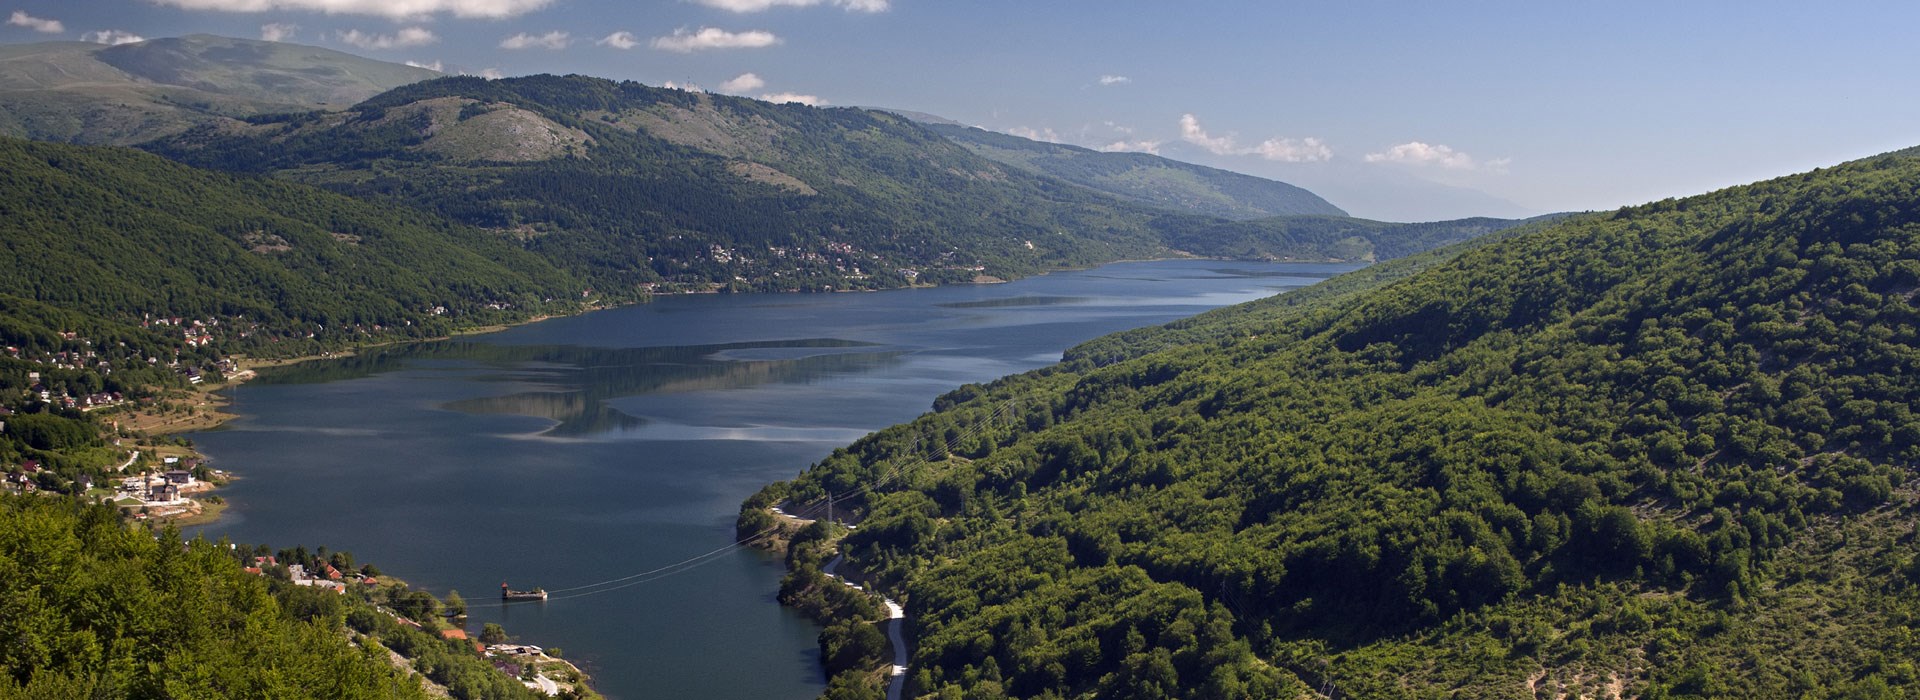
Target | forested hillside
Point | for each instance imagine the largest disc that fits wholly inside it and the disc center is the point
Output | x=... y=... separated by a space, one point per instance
x=633 y=187
x=1665 y=452
x=104 y=239
x=123 y=274
x=1146 y=178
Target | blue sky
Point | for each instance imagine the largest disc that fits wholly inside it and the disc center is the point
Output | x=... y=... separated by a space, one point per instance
x=1543 y=106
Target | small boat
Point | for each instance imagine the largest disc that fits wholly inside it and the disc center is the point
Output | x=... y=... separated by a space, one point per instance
x=510 y=594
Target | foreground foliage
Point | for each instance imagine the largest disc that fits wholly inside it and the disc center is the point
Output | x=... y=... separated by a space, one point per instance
x=91 y=606
x=1667 y=452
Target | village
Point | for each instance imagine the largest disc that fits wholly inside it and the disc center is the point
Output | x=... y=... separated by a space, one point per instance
x=101 y=420
x=539 y=669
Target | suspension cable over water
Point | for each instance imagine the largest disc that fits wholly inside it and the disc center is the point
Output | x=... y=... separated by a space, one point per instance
x=813 y=508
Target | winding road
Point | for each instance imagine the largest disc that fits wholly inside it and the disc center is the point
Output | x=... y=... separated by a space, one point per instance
x=896 y=619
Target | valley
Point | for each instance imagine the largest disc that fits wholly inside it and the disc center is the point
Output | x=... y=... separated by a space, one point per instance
x=1179 y=358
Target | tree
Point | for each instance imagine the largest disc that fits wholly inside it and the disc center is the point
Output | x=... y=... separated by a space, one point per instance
x=456 y=605
x=492 y=633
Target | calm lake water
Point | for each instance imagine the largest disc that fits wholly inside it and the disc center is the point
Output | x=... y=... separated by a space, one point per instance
x=582 y=449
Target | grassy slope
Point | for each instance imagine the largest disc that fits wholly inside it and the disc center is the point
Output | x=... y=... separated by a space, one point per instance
x=132 y=93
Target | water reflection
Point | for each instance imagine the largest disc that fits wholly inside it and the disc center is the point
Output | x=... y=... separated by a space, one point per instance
x=1029 y=300
x=1254 y=274
x=574 y=383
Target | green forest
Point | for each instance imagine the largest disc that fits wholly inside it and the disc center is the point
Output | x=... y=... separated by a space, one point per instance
x=1667 y=451
x=93 y=607
x=129 y=237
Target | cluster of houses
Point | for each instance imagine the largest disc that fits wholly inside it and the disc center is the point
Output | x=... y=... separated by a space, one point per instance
x=195 y=332
x=326 y=576
x=21 y=478
x=163 y=488
x=39 y=388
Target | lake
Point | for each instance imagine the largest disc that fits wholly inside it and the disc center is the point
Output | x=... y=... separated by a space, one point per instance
x=574 y=451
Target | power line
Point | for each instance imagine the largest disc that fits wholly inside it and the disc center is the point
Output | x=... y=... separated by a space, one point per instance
x=812 y=507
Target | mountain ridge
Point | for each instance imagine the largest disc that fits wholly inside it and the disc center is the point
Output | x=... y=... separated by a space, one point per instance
x=691 y=190
x=91 y=93
x=1144 y=177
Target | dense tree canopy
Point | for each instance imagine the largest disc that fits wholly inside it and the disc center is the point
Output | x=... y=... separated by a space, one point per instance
x=120 y=235
x=93 y=608
x=1662 y=448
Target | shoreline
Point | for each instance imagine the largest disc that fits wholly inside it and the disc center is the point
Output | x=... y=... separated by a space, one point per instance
x=250 y=368
x=250 y=365
x=215 y=400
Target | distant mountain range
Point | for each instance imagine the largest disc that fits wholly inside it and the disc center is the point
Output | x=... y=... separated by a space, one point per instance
x=630 y=185
x=1175 y=179
x=536 y=190
x=1141 y=177
x=89 y=93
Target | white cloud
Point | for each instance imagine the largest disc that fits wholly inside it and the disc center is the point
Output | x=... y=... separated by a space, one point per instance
x=396 y=9
x=112 y=37
x=1191 y=132
x=278 y=31
x=1032 y=134
x=689 y=87
x=490 y=74
x=684 y=41
x=1307 y=150
x=38 y=24
x=620 y=40
x=406 y=37
x=434 y=66
x=764 y=5
x=1418 y=153
x=1141 y=146
x=1115 y=80
x=552 y=41
x=784 y=97
x=744 y=82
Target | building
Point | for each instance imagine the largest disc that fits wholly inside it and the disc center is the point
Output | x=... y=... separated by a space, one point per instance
x=164 y=492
